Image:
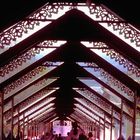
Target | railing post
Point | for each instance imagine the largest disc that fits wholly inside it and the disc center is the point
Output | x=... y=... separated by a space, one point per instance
x=134 y=115
x=121 y=120
x=1 y=114
x=111 y=123
x=12 y=117
x=19 y=122
x=104 y=126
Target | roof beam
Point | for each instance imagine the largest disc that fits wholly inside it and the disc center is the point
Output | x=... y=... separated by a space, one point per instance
x=104 y=99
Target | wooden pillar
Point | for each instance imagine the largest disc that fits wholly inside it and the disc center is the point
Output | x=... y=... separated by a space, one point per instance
x=99 y=128
x=31 y=129
x=95 y=130
x=111 y=124
x=27 y=126
x=18 y=122
x=36 y=129
x=134 y=115
x=121 y=116
x=12 y=117
x=44 y=127
x=23 y=126
x=1 y=115
x=104 y=126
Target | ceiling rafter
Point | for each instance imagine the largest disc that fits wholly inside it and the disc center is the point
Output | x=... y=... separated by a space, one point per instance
x=105 y=112
x=30 y=68
x=114 y=72
x=50 y=118
x=29 y=86
x=109 y=96
x=45 y=93
x=38 y=110
x=91 y=111
x=36 y=121
x=109 y=34
x=101 y=120
x=52 y=32
x=87 y=115
x=81 y=117
x=104 y=99
x=108 y=87
x=29 y=109
x=74 y=119
x=44 y=115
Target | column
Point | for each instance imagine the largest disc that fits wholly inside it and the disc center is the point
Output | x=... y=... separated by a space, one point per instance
x=1 y=115
x=134 y=116
x=121 y=118
x=12 y=117
x=111 y=124
x=104 y=126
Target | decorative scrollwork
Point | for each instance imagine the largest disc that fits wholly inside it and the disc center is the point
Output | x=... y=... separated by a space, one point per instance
x=100 y=45
x=34 y=98
x=19 y=61
x=92 y=106
x=128 y=31
x=23 y=27
x=122 y=61
x=78 y=116
x=117 y=83
x=117 y=24
x=22 y=80
x=46 y=115
x=48 y=64
x=96 y=99
x=80 y=119
x=94 y=66
x=27 y=102
x=46 y=11
x=47 y=43
x=102 y=13
x=36 y=105
x=16 y=31
x=111 y=80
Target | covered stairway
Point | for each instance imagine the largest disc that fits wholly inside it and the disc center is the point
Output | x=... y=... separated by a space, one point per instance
x=70 y=61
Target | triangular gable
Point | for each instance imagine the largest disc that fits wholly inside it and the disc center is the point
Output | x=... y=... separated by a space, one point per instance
x=101 y=18
x=98 y=12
